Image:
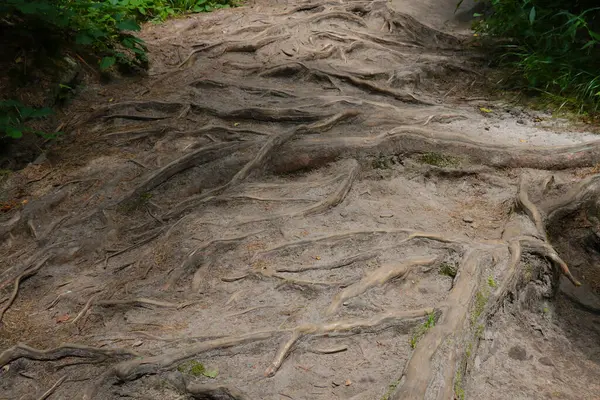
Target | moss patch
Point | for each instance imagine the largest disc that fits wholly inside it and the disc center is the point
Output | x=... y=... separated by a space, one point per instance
x=196 y=368
x=391 y=387
x=439 y=160
x=481 y=299
x=422 y=330
x=448 y=269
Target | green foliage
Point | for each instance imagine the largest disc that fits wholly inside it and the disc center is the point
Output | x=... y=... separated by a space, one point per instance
x=391 y=388
x=159 y=10
x=448 y=270
x=196 y=368
x=554 y=46
x=100 y=29
x=14 y=116
x=459 y=391
x=422 y=330
x=440 y=160
x=491 y=282
x=481 y=299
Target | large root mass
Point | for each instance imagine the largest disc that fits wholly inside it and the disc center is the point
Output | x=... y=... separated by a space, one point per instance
x=241 y=219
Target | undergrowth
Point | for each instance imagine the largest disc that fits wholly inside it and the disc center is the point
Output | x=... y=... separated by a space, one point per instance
x=34 y=34
x=552 y=47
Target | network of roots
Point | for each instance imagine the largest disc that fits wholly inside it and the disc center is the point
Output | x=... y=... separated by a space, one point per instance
x=226 y=222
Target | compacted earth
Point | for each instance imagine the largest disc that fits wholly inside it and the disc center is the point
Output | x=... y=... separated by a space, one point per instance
x=304 y=200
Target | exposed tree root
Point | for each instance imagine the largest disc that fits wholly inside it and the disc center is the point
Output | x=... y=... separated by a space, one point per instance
x=135 y=302
x=450 y=325
x=199 y=255
x=330 y=201
x=214 y=392
x=26 y=274
x=377 y=278
x=333 y=265
x=200 y=156
x=302 y=124
x=133 y=369
x=263 y=91
x=532 y=211
x=334 y=238
x=411 y=140
x=297 y=68
x=66 y=350
x=543 y=249
x=235 y=47
x=353 y=326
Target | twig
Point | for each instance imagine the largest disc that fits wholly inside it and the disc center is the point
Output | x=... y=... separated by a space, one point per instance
x=53 y=388
x=332 y=350
x=28 y=273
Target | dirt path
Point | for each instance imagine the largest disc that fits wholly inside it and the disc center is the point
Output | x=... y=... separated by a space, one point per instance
x=304 y=201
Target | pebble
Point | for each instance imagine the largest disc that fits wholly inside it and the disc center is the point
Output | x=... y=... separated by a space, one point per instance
x=546 y=361
x=468 y=219
x=386 y=215
x=517 y=353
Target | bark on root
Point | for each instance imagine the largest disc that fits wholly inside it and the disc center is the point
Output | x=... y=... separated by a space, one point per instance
x=67 y=350
x=377 y=278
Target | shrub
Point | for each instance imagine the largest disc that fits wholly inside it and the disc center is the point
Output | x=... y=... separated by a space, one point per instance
x=554 y=46
x=101 y=29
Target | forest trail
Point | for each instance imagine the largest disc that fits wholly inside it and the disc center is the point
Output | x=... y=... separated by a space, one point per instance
x=304 y=200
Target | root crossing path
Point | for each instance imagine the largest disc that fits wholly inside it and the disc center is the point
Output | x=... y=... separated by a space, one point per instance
x=309 y=200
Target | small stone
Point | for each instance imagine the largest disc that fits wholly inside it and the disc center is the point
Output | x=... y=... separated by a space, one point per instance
x=386 y=214
x=343 y=213
x=137 y=343
x=517 y=353
x=288 y=52
x=546 y=361
x=40 y=159
x=468 y=219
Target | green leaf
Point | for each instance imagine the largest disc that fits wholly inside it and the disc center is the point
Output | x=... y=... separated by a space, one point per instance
x=14 y=132
x=128 y=25
x=532 y=15
x=107 y=62
x=41 y=112
x=82 y=38
x=211 y=373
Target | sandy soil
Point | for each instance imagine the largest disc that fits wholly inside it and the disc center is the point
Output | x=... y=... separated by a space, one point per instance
x=304 y=201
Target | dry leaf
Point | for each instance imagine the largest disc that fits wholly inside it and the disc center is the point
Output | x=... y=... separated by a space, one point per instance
x=62 y=318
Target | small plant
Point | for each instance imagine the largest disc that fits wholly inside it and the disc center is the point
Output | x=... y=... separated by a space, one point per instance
x=391 y=388
x=479 y=331
x=14 y=117
x=422 y=330
x=196 y=368
x=448 y=270
x=491 y=282
x=479 y=306
x=552 y=48
x=459 y=391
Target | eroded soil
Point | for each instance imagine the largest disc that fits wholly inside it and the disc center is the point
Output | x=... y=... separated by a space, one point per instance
x=304 y=201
